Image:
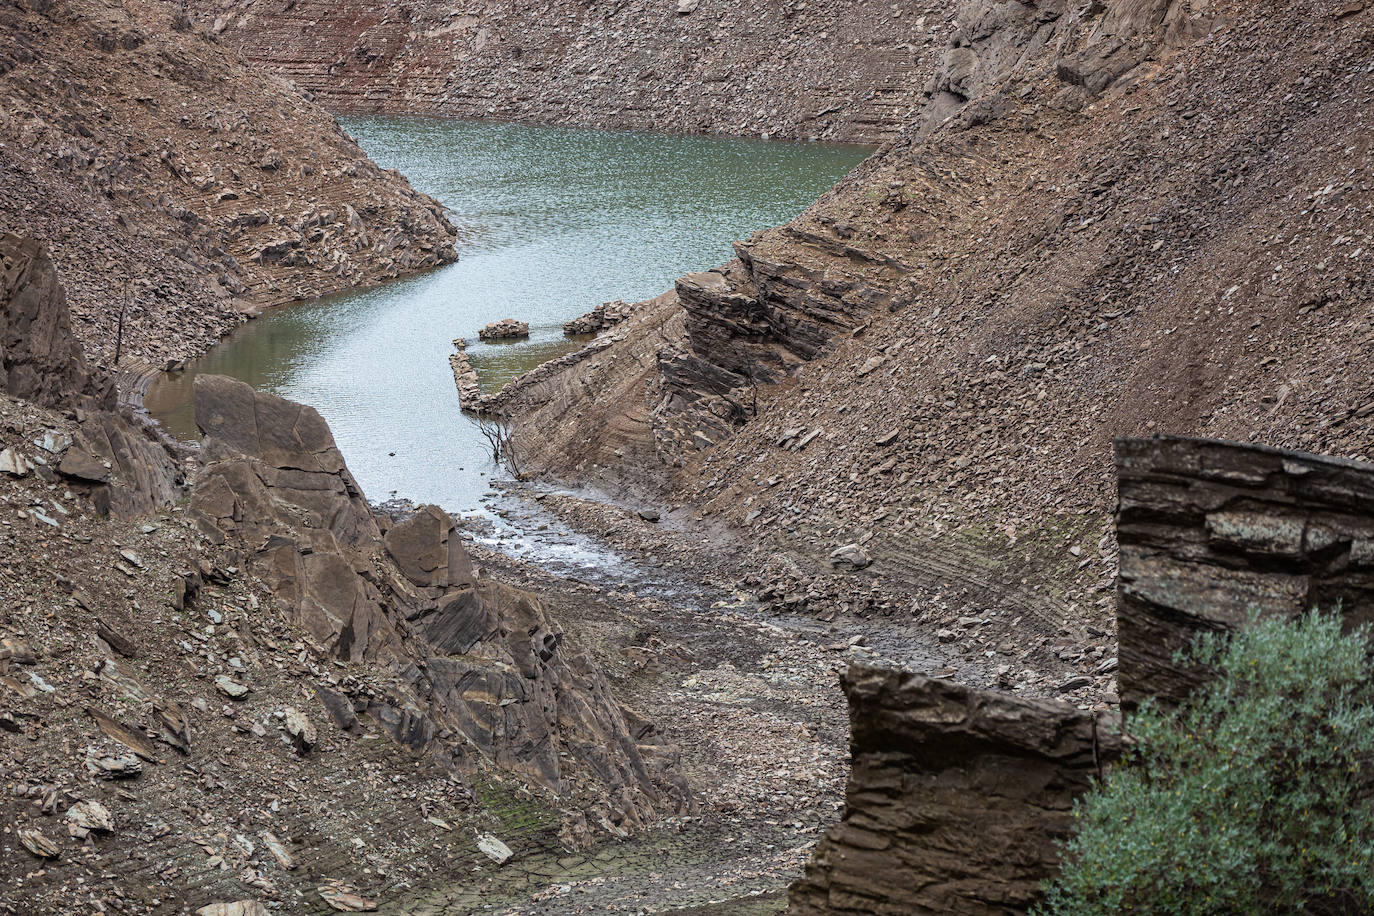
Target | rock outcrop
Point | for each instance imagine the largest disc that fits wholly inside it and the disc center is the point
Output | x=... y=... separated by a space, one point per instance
x=1211 y=532
x=956 y=798
x=472 y=657
x=188 y=188
x=960 y=328
x=854 y=70
x=276 y=480
x=40 y=359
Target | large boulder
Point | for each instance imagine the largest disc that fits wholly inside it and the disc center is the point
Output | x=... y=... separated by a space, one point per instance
x=428 y=550
x=956 y=800
x=275 y=479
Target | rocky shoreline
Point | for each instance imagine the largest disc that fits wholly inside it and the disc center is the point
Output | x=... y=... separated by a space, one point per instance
x=170 y=222
x=285 y=628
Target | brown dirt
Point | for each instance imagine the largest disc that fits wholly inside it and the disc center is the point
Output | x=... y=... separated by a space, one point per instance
x=155 y=165
x=823 y=69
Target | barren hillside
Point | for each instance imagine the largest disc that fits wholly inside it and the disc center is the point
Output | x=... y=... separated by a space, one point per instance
x=157 y=167
x=1153 y=219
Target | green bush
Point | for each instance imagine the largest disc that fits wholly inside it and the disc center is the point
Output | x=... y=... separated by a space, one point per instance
x=1249 y=798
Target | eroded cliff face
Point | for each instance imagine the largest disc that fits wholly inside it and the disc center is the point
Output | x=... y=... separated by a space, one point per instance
x=1117 y=226
x=1211 y=533
x=172 y=181
x=853 y=70
x=958 y=797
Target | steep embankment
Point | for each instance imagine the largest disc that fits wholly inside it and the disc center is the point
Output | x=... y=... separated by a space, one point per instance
x=855 y=70
x=1151 y=217
x=155 y=165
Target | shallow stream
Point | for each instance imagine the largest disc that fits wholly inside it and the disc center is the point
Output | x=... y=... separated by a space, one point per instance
x=553 y=222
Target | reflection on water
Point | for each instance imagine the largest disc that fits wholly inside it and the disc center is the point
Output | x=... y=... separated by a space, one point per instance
x=554 y=222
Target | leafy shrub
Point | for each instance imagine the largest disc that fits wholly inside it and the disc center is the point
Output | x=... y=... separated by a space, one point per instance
x=1250 y=798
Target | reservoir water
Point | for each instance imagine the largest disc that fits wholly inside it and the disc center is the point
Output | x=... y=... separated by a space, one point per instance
x=552 y=223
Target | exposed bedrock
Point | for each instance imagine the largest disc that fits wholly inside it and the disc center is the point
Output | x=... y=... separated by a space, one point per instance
x=854 y=70
x=955 y=801
x=482 y=671
x=110 y=456
x=40 y=358
x=957 y=796
x=1211 y=532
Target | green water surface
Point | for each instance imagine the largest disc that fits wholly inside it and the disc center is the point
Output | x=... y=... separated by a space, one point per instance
x=553 y=222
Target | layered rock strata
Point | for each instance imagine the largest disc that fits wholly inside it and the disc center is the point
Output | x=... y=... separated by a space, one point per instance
x=177 y=188
x=854 y=70
x=935 y=358
x=473 y=657
x=956 y=798
x=1213 y=532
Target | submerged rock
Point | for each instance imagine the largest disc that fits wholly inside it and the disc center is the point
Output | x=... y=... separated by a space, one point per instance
x=505 y=329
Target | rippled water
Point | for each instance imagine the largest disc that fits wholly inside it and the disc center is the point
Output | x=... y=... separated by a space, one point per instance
x=553 y=222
